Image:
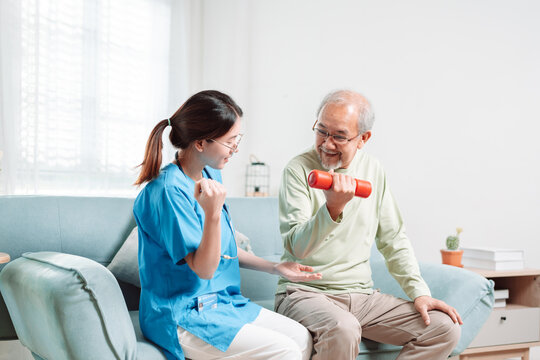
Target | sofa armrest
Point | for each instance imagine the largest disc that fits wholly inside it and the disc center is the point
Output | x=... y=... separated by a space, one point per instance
x=67 y=307
x=468 y=292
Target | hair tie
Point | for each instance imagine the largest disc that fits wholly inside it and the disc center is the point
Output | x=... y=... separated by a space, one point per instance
x=169 y=121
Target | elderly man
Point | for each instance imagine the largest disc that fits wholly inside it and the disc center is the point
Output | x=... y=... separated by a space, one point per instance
x=333 y=231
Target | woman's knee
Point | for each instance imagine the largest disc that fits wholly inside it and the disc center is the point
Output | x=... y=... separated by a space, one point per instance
x=300 y=336
x=287 y=348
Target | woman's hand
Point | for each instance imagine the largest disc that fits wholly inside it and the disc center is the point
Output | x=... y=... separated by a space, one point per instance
x=296 y=272
x=210 y=194
x=204 y=261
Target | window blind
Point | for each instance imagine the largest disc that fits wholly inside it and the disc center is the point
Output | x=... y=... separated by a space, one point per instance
x=93 y=81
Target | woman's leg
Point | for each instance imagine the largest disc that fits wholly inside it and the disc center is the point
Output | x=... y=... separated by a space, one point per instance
x=289 y=327
x=270 y=336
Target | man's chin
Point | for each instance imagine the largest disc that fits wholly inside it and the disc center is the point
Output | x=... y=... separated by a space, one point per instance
x=331 y=166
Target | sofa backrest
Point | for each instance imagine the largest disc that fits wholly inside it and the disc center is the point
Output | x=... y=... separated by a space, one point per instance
x=257 y=218
x=96 y=227
x=93 y=227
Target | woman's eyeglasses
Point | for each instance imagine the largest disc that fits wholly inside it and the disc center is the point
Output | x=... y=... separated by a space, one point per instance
x=232 y=146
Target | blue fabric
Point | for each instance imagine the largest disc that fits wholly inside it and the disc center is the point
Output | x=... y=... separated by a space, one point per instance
x=170 y=226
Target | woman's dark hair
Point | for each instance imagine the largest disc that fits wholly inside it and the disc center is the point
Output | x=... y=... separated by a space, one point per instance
x=206 y=115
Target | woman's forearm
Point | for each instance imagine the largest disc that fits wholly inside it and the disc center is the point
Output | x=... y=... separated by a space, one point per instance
x=253 y=262
x=205 y=260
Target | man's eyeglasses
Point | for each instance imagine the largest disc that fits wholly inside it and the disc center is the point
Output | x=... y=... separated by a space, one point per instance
x=338 y=139
x=232 y=146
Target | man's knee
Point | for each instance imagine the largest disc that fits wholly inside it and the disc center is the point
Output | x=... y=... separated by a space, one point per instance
x=454 y=333
x=346 y=330
x=449 y=331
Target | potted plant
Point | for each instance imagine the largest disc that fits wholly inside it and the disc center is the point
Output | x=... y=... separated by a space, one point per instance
x=452 y=255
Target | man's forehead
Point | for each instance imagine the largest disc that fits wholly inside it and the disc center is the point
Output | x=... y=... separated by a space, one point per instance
x=341 y=117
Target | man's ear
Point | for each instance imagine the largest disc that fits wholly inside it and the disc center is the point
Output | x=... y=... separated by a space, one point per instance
x=364 y=139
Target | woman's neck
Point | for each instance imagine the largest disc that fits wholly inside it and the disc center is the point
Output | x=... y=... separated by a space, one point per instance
x=190 y=164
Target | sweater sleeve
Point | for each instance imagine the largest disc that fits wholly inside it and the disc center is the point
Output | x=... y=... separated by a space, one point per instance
x=396 y=248
x=303 y=225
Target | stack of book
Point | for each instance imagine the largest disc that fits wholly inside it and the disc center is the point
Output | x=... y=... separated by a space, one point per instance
x=500 y=297
x=493 y=258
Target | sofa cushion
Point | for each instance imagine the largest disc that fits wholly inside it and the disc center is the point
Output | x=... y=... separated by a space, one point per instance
x=125 y=264
x=369 y=349
x=75 y=306
x=242 y=241
x=469 y=293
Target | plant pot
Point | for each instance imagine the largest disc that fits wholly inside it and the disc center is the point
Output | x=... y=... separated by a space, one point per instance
x=452 y=257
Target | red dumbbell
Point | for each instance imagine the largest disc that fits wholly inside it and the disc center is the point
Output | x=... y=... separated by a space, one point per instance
x=322 y=180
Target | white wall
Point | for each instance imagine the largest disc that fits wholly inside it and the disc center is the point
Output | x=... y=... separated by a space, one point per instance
x=453 y=84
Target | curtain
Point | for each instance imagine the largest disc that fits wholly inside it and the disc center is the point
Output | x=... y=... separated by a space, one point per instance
x=82 y=83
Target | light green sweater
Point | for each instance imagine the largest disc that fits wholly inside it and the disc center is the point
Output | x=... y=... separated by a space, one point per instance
x=340 y=250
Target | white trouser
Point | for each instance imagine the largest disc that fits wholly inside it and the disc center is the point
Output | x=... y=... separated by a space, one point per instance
x=270 y=336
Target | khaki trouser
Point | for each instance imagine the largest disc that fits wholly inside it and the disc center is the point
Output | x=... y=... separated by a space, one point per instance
x=338 y=322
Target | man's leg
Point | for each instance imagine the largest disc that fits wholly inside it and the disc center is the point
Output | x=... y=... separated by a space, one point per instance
x=336 y=332
x=390 y=320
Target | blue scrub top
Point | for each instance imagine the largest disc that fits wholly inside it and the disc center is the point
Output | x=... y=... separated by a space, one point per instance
x=170 y=225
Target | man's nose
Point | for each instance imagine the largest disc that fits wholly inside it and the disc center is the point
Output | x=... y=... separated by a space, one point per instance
x=329 y=141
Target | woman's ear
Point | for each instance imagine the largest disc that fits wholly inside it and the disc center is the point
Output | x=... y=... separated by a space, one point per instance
x=199 y=145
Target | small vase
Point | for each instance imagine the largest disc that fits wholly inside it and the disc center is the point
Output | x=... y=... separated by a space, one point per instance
x=452 y=257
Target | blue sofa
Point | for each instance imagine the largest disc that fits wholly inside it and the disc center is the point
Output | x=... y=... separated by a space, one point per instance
x=63 y=303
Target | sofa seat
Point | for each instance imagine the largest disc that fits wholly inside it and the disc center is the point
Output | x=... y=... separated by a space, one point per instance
x=145 y=350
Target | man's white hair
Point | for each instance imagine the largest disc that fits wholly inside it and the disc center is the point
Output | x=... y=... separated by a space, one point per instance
x=366 y=117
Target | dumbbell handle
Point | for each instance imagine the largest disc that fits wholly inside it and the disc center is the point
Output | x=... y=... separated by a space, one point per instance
x=322 y=180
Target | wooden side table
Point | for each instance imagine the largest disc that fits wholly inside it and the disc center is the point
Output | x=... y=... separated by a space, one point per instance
x=512 y=330
x=4 y=258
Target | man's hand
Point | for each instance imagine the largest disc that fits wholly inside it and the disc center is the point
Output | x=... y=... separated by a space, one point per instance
x=341 y=192
x=423 y=304
x=296 y=272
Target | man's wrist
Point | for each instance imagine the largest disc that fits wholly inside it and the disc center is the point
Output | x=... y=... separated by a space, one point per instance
x=336 y=213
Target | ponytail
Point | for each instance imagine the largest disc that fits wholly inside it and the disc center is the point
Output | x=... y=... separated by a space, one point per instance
x=152 y=155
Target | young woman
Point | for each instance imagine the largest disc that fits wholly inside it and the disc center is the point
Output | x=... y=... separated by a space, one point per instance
x=191 y=303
